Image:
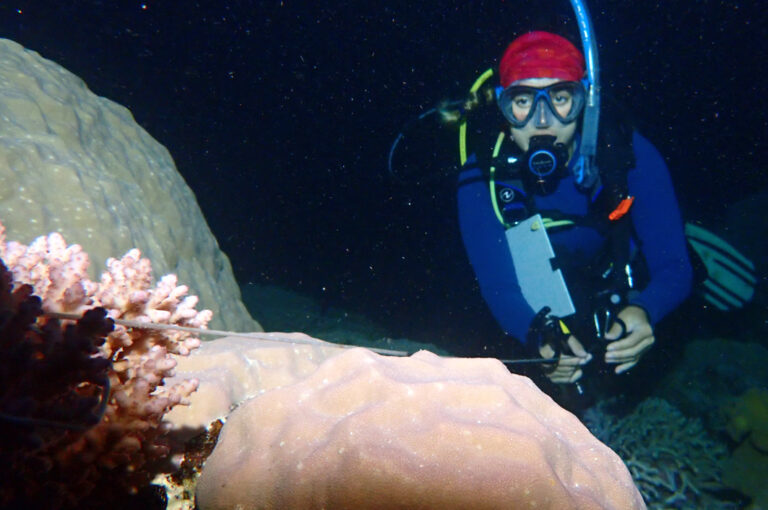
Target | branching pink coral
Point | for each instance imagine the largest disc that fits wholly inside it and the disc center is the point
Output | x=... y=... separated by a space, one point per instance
x=57 y=272
x=130 y=435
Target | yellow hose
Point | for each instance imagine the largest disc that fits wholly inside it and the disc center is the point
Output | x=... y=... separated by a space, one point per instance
x=463 y=125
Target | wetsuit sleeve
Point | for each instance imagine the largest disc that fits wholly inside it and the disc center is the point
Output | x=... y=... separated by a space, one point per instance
x=659 y=226
x=487 y=249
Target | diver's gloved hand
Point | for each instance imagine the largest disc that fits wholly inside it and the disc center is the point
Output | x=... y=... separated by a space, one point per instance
x=568 y=369
x=638 y=339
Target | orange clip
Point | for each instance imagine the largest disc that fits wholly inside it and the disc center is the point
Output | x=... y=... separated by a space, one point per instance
x=621 y=209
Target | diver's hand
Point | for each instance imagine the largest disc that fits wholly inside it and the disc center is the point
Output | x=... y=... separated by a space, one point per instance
x=639 y=338
x=568 y=369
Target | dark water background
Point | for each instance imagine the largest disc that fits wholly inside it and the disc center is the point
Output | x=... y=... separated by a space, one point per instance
x=280 y=116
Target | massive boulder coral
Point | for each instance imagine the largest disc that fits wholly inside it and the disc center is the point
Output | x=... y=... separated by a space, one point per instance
x=368 y=431
x=79 y=164
x=234 y=369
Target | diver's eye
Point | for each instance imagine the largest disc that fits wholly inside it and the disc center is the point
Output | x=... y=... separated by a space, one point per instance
x=522 y=100
x=561 y=98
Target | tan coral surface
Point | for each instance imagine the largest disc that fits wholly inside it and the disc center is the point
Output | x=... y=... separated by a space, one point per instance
x=369 y=431
x=78 y=164
x=233 y=369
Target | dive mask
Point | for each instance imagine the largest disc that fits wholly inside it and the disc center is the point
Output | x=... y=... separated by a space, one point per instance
x=562 y=100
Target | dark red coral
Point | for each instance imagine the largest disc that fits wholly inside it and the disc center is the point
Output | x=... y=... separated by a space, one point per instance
x=54 y=386
x=81 y=416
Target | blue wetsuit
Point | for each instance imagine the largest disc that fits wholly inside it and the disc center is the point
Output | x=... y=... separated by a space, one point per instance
x=655 y=217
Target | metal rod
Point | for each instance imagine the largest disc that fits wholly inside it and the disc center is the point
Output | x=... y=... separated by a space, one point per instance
x=214 y=332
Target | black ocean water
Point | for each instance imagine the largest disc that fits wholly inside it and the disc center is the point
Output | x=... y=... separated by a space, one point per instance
x=280 y=116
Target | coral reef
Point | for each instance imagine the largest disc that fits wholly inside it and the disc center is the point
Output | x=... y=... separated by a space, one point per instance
x=745 y=470
x=711 y=373
x=673 y=461
x=53 y=388
x=748 y=418
x=79 y=164
x=370 y=431
x=127 y=445
x=719 y=380
x=233 y=369
x=746 y=422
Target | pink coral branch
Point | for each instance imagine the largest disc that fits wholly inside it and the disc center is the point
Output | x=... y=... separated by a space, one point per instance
x=131 y=433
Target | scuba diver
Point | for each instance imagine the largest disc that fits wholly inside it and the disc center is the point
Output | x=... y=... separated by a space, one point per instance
x=596 y=224
x=574 y=233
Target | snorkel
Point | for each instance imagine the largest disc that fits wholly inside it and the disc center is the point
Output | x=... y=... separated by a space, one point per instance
x=585 y=170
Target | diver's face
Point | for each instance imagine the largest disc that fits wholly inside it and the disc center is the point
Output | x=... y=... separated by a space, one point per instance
x=542 y=123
